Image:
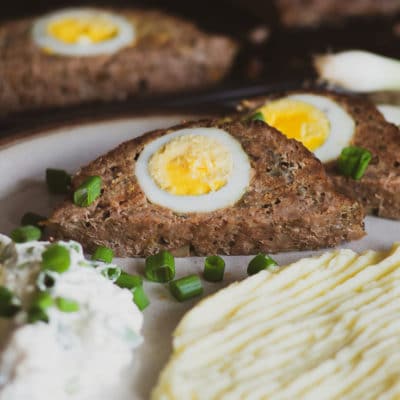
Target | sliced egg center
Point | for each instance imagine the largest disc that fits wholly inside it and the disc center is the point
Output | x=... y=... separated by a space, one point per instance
x=83 y=32
x=191 y=165
x=73 y=30
x=298 y=120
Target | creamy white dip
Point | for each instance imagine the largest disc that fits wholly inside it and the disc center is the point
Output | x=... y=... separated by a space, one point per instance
x=75 y=355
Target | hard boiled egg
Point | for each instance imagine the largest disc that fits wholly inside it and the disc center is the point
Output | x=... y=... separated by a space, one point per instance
x=82 y=32
x=322 y=125
x=194 y=170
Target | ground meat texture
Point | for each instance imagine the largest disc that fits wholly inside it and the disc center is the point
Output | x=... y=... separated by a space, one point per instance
x=290 y=204
x=379 y=189
x=169 y=55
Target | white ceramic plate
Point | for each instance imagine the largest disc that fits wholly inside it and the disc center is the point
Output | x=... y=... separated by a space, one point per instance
x=23 y=161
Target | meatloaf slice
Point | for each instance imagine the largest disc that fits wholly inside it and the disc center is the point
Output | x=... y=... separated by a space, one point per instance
x=289 y=205
x=379 y=188
x=168 y=55
x=296 y=13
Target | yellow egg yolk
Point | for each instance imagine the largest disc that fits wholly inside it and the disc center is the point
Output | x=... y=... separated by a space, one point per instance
x=191 y=165
x=298 y=120
x=75 y=30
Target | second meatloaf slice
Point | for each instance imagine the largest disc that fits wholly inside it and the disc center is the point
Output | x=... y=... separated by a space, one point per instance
x=169 y=55
x=290 y=204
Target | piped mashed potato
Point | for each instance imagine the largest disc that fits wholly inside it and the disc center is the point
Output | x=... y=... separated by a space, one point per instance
x=75 y=355
x=322 y=328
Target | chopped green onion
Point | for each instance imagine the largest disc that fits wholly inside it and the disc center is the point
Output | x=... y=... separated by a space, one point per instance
x=128 y=281
x=187 y=287
x=67 y=305
x=58 y=181
x=214 y=268
x=88 y=191
x=260 y=262
x=37 y=314
x=31 y=218
x=140 y=298
x=258 y=116
x=9 y=304
x=160 y=267
x=104 y=254
x=56 y=258
x=26 y=233
x=353 y=162
x=45 y=280
x=112 y=273
x=42 y=301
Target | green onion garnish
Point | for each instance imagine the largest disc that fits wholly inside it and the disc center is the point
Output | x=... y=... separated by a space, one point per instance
x=56 y=258
x=43 y=301
x=9 y=304
x=160 y=267
x=26 y=233
x=111 y=273
x=260 y=262
x=88 y=192
x=103 y=254
x=187 y=287
x=214 y=268
x=45 y=280
x=140 y=298
x=67 y=305
x=58 y=181
x=353 y=162
x=31 y=218
x=258 y=116
x=37 y=314
x=128 y=281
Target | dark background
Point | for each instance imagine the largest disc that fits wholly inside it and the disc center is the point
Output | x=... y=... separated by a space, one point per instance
x=283 y=61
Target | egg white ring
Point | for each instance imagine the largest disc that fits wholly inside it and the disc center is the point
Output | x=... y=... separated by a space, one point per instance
x=237 y=182
x=390 y=112
x=342 y=125
x=126 y=34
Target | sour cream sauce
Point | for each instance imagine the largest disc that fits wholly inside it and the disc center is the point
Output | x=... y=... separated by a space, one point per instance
x=75 y=355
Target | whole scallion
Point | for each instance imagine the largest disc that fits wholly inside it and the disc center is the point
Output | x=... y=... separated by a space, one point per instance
x=359 y=71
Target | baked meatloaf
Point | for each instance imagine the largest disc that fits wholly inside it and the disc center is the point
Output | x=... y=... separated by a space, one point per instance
x=297 y=13
x=379 y=188
x=289 y=203
x=167 y=54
